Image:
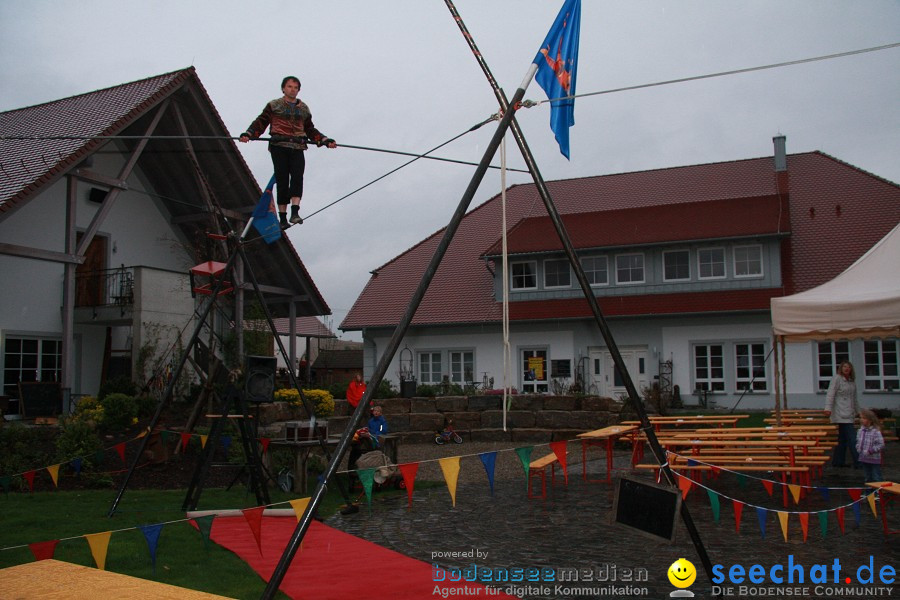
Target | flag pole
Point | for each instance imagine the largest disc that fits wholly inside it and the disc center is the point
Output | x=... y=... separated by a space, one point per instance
x=393 y=344
x=585 y=284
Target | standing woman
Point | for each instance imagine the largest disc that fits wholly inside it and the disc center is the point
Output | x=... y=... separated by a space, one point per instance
x=841 y=405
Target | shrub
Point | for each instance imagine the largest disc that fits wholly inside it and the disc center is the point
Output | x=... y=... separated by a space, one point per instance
x=119 y=412
x=386 y=389
x=322 y=401
x=20 y=449
x=78 y=438
x=117 y=385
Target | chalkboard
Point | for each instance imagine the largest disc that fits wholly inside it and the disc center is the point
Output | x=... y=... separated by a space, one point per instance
x=646 y=507
x=40 y=399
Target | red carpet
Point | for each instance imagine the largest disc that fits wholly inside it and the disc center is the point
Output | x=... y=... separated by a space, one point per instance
x=333 y=564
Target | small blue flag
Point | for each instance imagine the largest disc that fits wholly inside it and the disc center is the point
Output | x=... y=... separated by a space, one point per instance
x=264 y=218
x=556 y=61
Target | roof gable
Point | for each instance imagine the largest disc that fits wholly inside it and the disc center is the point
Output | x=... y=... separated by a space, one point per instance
x=691 y=221
x=830 y=205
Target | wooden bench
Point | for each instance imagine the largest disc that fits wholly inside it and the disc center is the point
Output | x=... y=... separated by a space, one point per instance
x=539 y=467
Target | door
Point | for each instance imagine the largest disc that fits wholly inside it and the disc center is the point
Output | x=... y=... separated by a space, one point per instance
x=89 y=276
x=606 y=377
x=534 y=373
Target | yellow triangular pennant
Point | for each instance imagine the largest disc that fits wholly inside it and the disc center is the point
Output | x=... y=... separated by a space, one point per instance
x=450 y=467
x=203 y=441
x=99 y=543
x=783 y=518
x=299 y=505
x=871 y=499
x=795 y=492
x=54 y=473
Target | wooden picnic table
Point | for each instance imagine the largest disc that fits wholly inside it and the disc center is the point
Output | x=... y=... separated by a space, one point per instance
x=301 y=450
x=788 y=446
x=604 y=438
x=717 y=420
x=889 y=491
x=738 y=434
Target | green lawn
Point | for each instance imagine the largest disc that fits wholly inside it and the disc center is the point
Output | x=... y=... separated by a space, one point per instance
x=183 y=557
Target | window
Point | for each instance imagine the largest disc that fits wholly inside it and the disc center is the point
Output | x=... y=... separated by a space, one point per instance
x=30 y=359
x=677 y=265
x=750 y=367
x=430 y=367
x=524 y=275
x=561 y=368
x=462 y=367
x=830 y=356
x=630 y=268
x=534 y=371
x=709 y=368
x=596 y=270
x=881 y=368
x=711 y=263
x=748 y=261
x=557 y=274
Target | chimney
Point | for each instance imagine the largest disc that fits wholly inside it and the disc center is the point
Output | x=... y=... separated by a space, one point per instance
x=780 y=156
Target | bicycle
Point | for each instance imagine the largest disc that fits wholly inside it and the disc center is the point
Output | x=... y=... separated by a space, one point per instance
x=447 y=434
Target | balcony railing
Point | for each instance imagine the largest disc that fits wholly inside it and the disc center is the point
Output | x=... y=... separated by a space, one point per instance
x=109 y=287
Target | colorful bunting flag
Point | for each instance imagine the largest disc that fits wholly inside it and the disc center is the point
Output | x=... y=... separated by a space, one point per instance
x=5 y=481
x=839 y=513
x=826 y=493
x=804 y=524
x=489 y=460
x=738 y=509
x=29 y=477
x=524 y=454
x=76 y=465
x=684 y=484
x=226 y=443
x=99 y=543
x=450 y=468
x=367 y=477
x=265 y=444
x=203 y=439
x=714 y=504
x=204 y=525
x=151 y=534
x=299 y=505
x=870 y=498
x=54 y=474
x=795 y=492
x=856 y=512
x=254 y=516
x=185 y=439
x=783 y=519
x=823 y=522
x=43 y=550
x=767 y=483
x=761 y=517
x=409 y=470
x=120 y=450
x=264 y=219
x=559 y=449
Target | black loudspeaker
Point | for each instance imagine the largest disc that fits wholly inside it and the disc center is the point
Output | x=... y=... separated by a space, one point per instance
x=260 y=380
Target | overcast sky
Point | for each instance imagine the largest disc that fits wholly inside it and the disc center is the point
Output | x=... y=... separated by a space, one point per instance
x=397 y=74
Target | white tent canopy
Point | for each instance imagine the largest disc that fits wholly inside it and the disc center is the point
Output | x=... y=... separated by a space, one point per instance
x=863 y=301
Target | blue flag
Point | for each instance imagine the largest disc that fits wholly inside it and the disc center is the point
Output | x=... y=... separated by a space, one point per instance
x=556 y=61
x=264 y=218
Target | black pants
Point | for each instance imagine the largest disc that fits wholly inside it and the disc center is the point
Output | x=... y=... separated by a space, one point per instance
x=289 y=167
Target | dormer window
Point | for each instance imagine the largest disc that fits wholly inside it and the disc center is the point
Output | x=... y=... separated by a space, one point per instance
x=711 y=263
x=630 y=268
x=557 y=274
x=523 y=275
x=748 y=261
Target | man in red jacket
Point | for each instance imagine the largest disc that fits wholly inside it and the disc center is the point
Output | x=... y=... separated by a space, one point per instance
x=290 y=128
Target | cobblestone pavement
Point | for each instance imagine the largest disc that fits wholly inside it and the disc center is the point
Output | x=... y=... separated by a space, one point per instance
x=573 y=528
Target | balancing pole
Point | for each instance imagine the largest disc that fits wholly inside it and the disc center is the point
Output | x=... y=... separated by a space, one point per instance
x=585 y=285
x=391 y=349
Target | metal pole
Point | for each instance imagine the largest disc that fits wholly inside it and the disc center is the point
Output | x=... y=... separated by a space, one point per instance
x=391 y=348
x=585 y=285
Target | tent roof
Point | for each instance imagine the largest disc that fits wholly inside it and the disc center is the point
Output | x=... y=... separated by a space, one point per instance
x=863 y=301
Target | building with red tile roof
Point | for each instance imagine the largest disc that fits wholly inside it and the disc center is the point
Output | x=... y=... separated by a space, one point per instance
x=105 y=201
x=684 y=262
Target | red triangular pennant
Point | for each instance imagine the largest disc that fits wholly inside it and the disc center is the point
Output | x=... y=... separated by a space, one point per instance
x=409 y=471
x=855 y=494
x=29 y=477
x=120 y=449
x=804 y=524
x=738 y=509
x=185 y=438
x=43 y=550
x=254 y=519
x=768 y=485
x=265 y=443
x=559 y=449
x=840 y=517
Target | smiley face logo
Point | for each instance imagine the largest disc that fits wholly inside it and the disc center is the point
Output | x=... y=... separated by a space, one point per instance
x=682 y=573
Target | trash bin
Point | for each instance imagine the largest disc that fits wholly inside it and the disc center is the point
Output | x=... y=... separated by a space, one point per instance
x=407 y=388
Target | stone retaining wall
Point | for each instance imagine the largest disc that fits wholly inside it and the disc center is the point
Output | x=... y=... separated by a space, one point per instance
x=531 y=418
